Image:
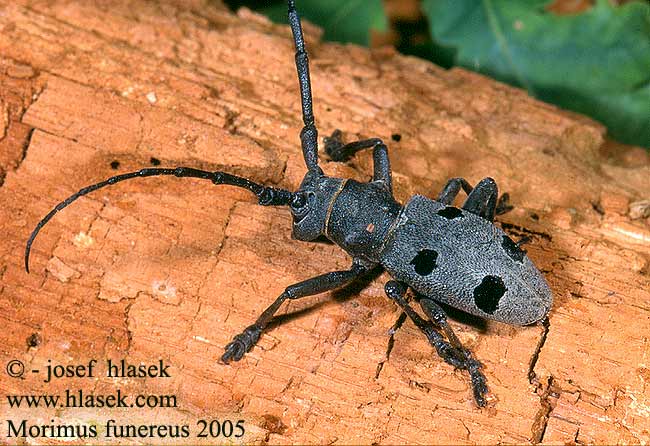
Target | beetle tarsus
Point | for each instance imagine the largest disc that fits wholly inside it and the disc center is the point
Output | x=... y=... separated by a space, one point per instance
x=479 y=383
x=242 y=343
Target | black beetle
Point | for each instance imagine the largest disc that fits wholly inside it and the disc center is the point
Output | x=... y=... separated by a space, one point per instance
x=445 y=254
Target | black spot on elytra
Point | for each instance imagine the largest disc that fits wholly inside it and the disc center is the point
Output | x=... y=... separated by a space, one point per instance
x=488 y=293
x=450 y=212
x=115 y=164
x=512 y=249
x=425 y=261
x=396 y=137
x=154 y=161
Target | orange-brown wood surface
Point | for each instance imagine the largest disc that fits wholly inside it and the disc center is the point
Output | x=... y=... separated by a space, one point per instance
x=170 y=269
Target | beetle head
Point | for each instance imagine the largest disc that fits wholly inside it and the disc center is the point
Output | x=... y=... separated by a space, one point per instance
x=310 y=204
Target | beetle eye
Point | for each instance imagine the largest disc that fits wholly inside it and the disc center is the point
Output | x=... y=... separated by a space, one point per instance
x=300 y=205
x=298 y=200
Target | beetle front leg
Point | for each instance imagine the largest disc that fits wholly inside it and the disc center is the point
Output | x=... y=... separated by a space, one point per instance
x=339 y=151
x=244 y=341
x=451 y=352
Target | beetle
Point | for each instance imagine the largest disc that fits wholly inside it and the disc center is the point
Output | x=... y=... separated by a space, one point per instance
x=445 y=254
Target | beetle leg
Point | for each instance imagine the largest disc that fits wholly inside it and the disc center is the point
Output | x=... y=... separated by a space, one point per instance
x=244 y=341
x=452 y=188
x=503 y=204
x=381 y=165
x=339 y=151
x=524 y=240
x=456 y=355
x=481 y=200
x=438 y=316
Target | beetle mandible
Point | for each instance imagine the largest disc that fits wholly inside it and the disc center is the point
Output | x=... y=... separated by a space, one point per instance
x=446 y=254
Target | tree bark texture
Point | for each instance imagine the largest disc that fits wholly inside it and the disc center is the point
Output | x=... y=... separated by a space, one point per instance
x=165 y=268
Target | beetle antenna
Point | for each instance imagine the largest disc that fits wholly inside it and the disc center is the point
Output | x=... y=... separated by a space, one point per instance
x=309 y=133
x=267 y=196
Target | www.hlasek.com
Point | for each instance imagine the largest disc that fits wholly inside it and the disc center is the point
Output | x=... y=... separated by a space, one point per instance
x=79 y=398
x=17 y=427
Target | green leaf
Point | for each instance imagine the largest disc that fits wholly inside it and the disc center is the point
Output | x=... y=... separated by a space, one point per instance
x=341 y=20
x=596 y=62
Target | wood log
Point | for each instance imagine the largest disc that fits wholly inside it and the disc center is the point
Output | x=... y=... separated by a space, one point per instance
x=170 y=269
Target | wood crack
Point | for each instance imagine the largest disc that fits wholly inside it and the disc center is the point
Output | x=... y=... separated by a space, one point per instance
x=532 y=377
x=548 y=400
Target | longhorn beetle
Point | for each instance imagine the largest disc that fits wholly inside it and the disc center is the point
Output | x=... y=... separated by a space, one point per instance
x=445 y=254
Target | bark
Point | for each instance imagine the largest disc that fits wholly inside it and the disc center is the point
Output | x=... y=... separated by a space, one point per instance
x=171 y=269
